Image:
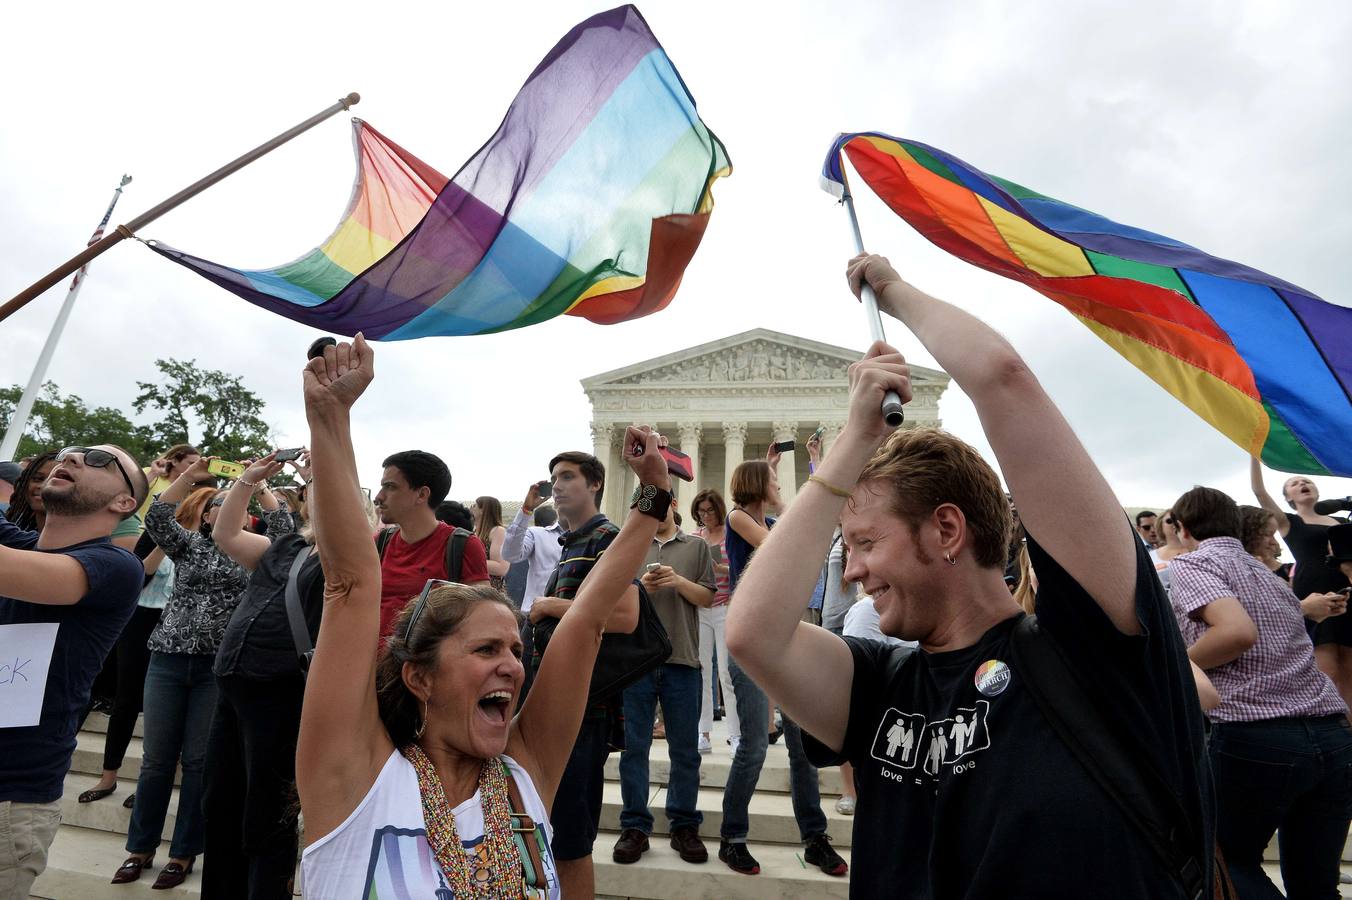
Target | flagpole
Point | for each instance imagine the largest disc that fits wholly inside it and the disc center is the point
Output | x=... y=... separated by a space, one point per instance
x=19 y=421
x=892 y=412
x=150 y=215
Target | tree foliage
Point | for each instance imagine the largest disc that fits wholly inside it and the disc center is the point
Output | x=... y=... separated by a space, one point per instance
x=210 y=409
x=66 y=420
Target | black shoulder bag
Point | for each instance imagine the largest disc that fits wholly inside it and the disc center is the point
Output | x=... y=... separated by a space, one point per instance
x=622 y=658
x=1139 y=792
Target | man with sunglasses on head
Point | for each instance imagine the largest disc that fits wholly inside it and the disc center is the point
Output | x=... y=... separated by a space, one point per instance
x=72 y=576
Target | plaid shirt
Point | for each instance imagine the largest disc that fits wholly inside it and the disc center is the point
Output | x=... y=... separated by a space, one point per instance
x=1276 y=677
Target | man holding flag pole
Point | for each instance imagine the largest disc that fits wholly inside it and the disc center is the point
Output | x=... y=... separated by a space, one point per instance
x=965 y=787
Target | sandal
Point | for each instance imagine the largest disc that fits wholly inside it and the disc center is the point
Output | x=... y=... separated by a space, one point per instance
x=172 y=875
x=93 y=794
x=131 y=870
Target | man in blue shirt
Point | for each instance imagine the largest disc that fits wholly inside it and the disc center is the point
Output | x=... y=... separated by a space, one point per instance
x=73 y=576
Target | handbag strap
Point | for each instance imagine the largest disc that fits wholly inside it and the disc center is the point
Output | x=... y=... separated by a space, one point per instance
x=529 y=836
x=295 y=614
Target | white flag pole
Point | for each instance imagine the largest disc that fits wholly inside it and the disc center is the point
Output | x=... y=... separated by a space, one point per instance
x=19 y=421
x=892 y=412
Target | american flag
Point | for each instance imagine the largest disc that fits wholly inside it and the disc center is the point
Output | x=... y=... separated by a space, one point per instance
x=98 y=232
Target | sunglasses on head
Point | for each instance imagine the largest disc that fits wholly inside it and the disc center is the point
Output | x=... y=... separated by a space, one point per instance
x=98 y=459
x=422 y=602
x=216 y=501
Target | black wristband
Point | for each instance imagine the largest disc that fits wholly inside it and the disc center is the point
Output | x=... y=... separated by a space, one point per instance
x=651 y=500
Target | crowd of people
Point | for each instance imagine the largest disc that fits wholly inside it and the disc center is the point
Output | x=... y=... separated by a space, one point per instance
x=1025 y=695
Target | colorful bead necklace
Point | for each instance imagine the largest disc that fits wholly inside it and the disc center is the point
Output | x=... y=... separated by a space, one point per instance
x=504 y=860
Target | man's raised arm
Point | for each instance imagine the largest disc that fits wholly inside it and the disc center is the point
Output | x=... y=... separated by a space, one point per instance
x=1063 y=499
x=808 y=670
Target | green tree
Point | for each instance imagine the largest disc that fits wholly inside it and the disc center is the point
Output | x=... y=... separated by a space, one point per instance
x=66 y=420
x=207 y=408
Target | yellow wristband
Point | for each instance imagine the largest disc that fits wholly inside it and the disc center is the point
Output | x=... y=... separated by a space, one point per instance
x=839 y=492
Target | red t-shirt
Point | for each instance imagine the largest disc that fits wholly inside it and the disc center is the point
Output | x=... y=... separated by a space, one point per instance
x=405 y=568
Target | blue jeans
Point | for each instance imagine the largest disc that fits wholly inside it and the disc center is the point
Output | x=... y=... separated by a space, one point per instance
x=1292 y=777
x=180 y=697
x=678 y=689
x=753 y=709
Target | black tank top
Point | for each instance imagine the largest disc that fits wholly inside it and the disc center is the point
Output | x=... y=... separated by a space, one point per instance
x=1310 y=546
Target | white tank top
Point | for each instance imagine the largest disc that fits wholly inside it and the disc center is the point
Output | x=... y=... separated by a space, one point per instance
x=381 y=852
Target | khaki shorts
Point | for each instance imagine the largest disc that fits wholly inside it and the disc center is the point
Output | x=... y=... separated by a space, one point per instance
x=26 y=832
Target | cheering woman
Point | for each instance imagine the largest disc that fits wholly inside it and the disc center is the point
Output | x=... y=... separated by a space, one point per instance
x=414 y=776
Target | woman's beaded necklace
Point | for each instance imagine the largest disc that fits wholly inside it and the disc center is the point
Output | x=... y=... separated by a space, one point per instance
x=503 y=866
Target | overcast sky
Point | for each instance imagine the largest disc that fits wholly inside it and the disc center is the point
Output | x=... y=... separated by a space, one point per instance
x=1225 y=125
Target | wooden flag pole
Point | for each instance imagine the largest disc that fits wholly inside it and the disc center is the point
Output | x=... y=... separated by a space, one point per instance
x=892 y=412
x=129 y=230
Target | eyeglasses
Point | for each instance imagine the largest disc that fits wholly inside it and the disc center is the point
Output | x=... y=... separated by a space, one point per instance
x=98 y=459
x=422 y=602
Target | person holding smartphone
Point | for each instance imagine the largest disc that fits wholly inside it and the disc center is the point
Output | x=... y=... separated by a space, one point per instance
x=180 y=692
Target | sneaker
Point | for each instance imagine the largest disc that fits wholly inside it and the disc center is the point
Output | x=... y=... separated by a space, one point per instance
x=685 y=841
x=630 y=847
x=705 y=745
x=821 y=854
x=845 y=805
x=738 y=858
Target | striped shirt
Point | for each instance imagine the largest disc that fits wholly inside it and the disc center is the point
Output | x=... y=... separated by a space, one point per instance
x=1276 y=677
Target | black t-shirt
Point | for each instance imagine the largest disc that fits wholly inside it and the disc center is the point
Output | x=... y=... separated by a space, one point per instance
x=34 y=759
x=966 y=792
x=258 y=643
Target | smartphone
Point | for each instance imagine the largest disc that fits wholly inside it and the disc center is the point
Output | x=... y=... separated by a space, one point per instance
x=817 y=435
x=222 y=468
x=651 y=566
x=784 y=446
x=288 y=455
x=544 y=489
x=678 y=463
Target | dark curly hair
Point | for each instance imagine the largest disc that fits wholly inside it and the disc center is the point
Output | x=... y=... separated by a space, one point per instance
x=20 y=512
x=447 y=607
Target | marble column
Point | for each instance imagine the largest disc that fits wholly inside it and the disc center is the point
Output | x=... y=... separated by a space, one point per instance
x=734 y=447
x=690 y=435
x=788 y=478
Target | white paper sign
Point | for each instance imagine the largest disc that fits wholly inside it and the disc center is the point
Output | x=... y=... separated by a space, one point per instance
x=25 y=655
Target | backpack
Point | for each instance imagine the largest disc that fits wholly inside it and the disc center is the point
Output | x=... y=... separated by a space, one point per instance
x=455 y=550
x=1148 y=803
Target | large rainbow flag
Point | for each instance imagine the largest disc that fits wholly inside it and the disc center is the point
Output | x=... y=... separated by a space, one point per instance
x=1266 y=363
x=590 y=199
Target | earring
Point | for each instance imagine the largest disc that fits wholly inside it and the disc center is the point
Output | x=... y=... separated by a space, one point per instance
x=948 y=557
x=422 y=726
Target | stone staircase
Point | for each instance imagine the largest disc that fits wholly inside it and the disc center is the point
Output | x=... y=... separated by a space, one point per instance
x=90 y=844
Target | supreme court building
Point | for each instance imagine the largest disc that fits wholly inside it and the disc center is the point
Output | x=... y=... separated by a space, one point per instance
x=725 y=401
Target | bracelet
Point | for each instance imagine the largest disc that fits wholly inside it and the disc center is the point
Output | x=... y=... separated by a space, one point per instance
x=651 y=500
x=839 y=492
x=252 y=484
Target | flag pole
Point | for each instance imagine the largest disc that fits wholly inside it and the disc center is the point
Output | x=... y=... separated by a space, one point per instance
x=892 y=412
x=19 y=421
x=150 y=215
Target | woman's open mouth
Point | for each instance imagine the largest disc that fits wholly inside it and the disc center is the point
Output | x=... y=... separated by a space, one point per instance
x=496 y=707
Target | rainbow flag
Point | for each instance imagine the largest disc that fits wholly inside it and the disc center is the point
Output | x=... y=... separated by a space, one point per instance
x=1266 y=363
x=590 y=199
